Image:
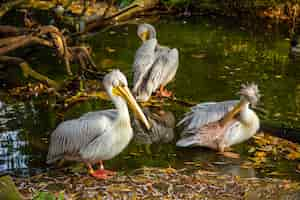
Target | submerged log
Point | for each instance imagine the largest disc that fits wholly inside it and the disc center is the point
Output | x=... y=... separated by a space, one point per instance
x=28 y=71
x=9 y=5
x=279 y=130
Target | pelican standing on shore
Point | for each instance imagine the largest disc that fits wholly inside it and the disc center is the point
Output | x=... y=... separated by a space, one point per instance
x=100 y=135
x=222 y=124
x=154 y=65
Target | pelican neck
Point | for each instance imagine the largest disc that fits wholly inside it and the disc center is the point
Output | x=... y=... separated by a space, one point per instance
x=121 y=106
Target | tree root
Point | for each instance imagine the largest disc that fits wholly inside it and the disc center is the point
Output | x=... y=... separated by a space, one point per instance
x=9 y=5
x=36 y=36
x=51 y=37
x=126 y=13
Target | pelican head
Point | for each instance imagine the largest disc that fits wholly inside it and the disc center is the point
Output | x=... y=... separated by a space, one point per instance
x=116 y=86
x=146 y=32
x=250 y=93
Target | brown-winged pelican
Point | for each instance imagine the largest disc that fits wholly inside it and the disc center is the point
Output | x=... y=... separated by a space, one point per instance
x=222 y=124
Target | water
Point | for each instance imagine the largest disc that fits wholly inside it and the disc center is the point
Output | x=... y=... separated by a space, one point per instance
x=216 y=56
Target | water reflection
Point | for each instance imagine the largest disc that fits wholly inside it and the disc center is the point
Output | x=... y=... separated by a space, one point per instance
x=11 y=156
x=162 y=127
x=22 y=131
x=211 y=160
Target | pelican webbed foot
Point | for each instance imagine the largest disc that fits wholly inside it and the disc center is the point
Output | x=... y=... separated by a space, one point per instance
x=100 y=173
x=103 y=174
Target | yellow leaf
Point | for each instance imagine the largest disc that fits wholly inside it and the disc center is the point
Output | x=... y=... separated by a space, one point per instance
x=110 y=50
x=293 y=155
x=260 y=154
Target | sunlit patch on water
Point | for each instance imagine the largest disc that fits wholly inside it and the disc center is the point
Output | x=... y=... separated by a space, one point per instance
x=11 y=157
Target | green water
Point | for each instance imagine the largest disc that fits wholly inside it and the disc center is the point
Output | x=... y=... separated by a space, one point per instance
x=216 y=56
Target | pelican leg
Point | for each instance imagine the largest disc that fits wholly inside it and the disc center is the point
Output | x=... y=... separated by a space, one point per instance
x=100 y=173
x=163 y=92
x=108 y=172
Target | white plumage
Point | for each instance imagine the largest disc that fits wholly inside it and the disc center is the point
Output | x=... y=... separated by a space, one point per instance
x=100 y=135
x=154 y=65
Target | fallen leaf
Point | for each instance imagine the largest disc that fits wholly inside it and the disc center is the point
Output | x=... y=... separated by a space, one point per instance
x=199 y=56
x=110 y=50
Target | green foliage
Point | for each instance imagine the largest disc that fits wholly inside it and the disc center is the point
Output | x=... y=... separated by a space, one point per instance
x=49 y=196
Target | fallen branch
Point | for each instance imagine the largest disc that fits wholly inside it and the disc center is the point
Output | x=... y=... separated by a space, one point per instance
x=21 y=42
x=126 y=13
x=8 y=6
x=6 y=30
x=8 y=40
x=28 y=71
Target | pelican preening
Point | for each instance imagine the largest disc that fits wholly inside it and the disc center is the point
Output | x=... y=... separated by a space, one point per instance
x=100 y=135
x=223 y=124
x=154 y=65
x=162 y=127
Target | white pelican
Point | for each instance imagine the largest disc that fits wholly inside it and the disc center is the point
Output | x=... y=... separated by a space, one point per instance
x=100 y=135
x=222 y=124
x=154 y=65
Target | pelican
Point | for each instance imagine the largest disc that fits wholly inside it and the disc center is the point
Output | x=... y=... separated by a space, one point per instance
x=162 y=127
x=154 y=65
x=100 y=135
x=219 y=125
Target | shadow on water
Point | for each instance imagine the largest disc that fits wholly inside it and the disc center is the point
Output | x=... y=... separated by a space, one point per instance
x=215 y=58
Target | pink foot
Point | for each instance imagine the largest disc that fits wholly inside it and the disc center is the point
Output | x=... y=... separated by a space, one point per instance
x=103 y=174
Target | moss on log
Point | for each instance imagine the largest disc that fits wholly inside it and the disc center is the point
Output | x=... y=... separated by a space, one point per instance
x=8 y=190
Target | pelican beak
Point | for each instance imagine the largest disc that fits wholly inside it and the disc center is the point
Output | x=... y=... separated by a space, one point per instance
x=144 y=36
x=231 y=114
x=124 y=92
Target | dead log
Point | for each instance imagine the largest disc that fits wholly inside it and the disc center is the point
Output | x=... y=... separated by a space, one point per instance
x=279 y=130
x=9 y=5
x=136 y=7
x=28 y=71
x=6 y=30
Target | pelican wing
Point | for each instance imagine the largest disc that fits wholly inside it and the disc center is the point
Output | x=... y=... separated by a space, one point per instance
x=73 y=135
x=162 y=72
x=162 y=128
x=205 y=113
x=143 y=61
x=110 y=113
x=164 y=69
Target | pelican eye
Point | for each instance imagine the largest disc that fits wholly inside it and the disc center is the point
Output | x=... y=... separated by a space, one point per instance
x=115 y=83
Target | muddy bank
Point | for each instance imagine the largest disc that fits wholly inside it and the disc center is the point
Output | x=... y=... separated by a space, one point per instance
x=157 y=183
